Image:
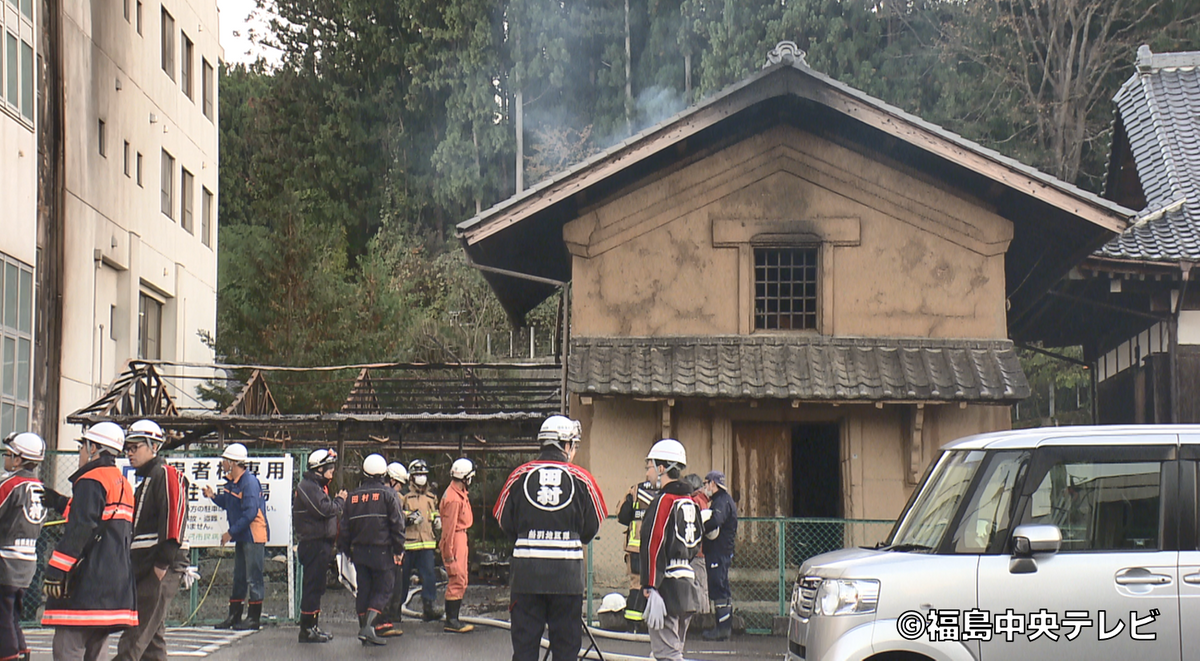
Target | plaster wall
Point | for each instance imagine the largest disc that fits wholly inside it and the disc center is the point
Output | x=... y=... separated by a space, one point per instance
x=619 y=431
x=900 y=256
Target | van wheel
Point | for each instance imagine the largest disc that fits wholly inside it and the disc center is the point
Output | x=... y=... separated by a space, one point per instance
x=899 y=656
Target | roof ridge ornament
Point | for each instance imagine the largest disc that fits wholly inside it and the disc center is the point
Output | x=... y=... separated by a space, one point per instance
x=786 y=51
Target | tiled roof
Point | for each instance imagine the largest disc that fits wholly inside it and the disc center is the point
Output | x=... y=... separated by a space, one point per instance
x=1160 y=109
x=800 y=367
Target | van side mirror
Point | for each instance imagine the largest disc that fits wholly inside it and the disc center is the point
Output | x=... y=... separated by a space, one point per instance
x=1032 y=539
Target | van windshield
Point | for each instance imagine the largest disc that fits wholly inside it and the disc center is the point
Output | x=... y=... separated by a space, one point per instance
x=924 y=524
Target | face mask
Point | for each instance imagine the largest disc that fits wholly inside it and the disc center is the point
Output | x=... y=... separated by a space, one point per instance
x=420 y=480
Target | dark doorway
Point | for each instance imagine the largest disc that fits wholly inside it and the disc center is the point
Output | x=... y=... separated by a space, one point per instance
x=816 y=471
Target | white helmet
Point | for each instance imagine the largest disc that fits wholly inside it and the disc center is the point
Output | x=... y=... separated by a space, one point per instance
x=235 y=452
x=462 y=469
x=107 y=435
x=669 y=451
x=398 y=472
x=374 y=465
x=322 y=459
x=612 y=603
x=558 y=430
x=147 y=429
x=26 y=445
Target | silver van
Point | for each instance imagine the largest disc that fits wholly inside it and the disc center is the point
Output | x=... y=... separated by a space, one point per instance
x=1041 y=544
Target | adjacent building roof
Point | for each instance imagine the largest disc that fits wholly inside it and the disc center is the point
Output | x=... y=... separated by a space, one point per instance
x=807 y=368
x=1158 y=109
x=1055 y=223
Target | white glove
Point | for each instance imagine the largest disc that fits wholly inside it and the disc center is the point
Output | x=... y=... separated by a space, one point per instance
x=415 y=519
x=190 y=575
x=656 y=610
x=437 y=524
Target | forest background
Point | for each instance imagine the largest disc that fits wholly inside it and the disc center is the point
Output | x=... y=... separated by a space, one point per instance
x=346 y=165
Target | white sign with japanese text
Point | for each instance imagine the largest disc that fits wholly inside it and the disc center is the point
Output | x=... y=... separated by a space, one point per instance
x=207 y=522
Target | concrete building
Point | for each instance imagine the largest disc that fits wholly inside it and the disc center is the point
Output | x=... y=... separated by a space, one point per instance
x=129 y=234
x=807 y=287
x=18 y=210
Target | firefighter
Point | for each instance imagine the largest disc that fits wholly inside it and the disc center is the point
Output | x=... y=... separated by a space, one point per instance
x=457 y=519
x=315 y=522
x=160 y=515
x=21 y=517
x=671 y=535
x=246 y=512
x=420 y=540
x=720 y=530
x=373 y=537
x=89 y=583
x=633 y=509
x=397 y=479
x=550 y=509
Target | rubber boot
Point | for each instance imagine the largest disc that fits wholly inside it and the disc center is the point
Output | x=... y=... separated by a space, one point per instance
x=235 y=616
x=309 y=632
x=453 y=624
x=253 y=618
x=387 y=628
x=724 y=627
x=429 y=612
x=316 y=626
x=367 y=633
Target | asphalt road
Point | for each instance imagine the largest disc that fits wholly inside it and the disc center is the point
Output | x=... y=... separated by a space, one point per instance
x=428 y=642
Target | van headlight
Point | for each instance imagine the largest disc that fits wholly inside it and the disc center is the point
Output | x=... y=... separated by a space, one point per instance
x=848 y=596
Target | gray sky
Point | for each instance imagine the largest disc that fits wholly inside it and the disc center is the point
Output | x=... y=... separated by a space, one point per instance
x=236 y=25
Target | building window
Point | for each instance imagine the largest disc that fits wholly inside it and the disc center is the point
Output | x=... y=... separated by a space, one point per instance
x=168 y=184
x=206 y=217
x=27 y=8
x=149 y=328
x=100 y=136
x=14 y=77
x=185 y=71
x=125 y=157
x=139 y=17
x=27 y=80
x=185 y=201
x=16 y=344
x=785 y=288
x=206 y=87
x=168 y=43
x=139 y=168
x=126 y=7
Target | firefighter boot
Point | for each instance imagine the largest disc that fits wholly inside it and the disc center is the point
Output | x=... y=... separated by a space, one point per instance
x=235 y=616
x=724 y=627
x=253 y=618
x=453 y=624
x=386 y=628
x=309 y=632
x=429 y=612
x=316 y=625
x=367 y=633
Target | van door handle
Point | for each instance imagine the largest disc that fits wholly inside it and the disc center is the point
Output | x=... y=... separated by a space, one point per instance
x=1141 y=576
x=1192 y=579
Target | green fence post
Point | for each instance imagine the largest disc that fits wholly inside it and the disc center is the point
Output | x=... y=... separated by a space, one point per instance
x=193 y=591
x=590 y=569
x=782 y=524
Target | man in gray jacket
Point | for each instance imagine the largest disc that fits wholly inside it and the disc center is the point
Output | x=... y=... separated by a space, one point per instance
x=21 y=519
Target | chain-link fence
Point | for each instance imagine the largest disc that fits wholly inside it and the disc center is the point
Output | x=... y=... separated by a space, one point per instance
x=208 y=598
x=768 y=554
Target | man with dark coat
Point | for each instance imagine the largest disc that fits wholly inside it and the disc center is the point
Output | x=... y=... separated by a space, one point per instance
x=671 y=535
x=160 y=516
x=550 y=509
x=315 y=524
x=21 y=517
x=720 y=531
x=631 y=513
x=372 y=535
x=89 y=582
